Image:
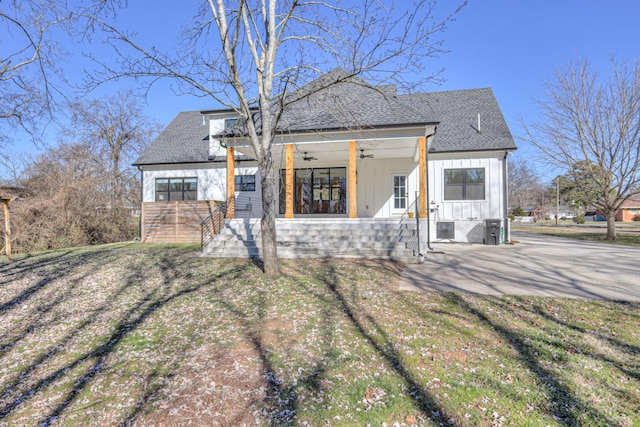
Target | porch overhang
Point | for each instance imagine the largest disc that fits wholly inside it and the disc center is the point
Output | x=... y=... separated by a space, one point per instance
x=333 y=146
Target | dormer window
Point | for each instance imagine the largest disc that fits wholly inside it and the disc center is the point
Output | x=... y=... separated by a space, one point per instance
x=229 y=123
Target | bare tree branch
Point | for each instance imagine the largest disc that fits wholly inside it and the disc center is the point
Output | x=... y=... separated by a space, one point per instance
x=27 y=88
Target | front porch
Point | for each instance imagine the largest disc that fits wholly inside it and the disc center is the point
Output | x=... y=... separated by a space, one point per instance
x=375 y=175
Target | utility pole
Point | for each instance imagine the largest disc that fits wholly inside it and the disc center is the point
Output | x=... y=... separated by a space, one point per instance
x=557 y=199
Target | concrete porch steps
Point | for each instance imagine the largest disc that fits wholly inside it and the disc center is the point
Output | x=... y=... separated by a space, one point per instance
x=313 y=238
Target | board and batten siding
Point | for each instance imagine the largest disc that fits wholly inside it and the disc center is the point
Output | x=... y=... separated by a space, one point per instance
x=468 y=215
x=375 y=185
x=212 y=181
x=179 y=221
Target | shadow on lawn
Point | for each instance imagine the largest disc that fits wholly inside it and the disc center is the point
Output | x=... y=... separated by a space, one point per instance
x=90 y=362
x=281 y=402
x=48 y=269
x=374 y=334
x=564 y=405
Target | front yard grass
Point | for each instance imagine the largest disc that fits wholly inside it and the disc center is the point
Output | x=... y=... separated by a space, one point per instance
x=628 y=235
x=137 y=334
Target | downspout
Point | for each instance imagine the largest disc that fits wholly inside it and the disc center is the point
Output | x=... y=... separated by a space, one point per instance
x=435 y=129
x=505 y=196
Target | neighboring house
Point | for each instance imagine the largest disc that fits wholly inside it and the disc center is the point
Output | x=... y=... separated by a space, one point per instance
x=629 y=209
x=348 y=153
x=549 y=212
x=539 y=212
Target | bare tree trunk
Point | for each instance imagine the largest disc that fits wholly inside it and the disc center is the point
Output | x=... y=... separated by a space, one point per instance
x=116 y=194
x=268 y=221
x=611 y=225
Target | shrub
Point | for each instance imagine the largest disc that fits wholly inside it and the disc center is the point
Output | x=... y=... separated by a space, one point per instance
x=636 y=217
x=578 y=219
x=519 y=212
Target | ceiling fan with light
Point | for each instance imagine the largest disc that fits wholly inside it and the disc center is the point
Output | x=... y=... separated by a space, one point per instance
x=365 y=156
x=308 y=158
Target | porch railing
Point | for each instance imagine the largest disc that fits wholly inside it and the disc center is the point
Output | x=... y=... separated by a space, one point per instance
x=212 y=225
x=410 y=228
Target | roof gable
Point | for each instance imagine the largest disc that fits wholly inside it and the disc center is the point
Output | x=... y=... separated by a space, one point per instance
x=184 y=140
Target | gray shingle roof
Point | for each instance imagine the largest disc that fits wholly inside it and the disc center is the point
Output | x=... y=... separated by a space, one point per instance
x=349 y=104
x=457 y=113
x=354 y=105
x=184 y=140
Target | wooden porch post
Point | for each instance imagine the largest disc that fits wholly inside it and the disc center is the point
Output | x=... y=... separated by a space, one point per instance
x=351 y=187
x=231 y=183
x=143 y=212
x=422 y=153
x=7 y=228
x=289 y=183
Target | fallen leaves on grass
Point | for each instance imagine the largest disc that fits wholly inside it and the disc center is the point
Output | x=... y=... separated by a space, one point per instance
x=154 y=335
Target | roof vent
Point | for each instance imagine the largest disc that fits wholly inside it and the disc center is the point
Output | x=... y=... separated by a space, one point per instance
x=478 y=129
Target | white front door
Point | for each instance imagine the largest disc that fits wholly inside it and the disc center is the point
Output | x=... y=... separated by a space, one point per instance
x=400 y=193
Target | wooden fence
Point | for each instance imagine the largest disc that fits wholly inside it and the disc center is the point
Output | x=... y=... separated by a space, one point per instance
x=174 y=222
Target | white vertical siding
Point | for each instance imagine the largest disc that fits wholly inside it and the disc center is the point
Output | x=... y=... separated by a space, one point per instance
x=375 y=185
x=468 y=216
x=212 y=181
x=374 y=189
x=212 y=184
x=490 y=207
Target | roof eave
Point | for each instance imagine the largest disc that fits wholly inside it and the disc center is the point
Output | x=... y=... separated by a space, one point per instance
x=236 y=138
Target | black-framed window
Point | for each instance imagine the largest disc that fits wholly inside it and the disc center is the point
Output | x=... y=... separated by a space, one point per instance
x=172 y=189
x=316 y=191
x=245 y=183
x=464 y=184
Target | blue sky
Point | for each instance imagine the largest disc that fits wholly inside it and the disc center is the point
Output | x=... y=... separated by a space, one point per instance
x=515 y=46
x=511 y=46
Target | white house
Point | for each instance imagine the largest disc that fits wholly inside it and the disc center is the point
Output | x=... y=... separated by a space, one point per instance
x=350 y=153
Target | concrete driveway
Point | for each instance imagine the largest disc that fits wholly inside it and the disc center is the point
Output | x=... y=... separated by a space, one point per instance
x=537 y=265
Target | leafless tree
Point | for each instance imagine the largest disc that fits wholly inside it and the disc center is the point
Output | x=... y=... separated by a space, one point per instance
x=117 y=130
x=250 y=54
x=524 y=184
x=29 y=65
x=594 y=122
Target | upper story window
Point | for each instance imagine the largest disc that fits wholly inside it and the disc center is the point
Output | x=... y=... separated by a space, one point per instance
x=172 y=189
x=245 y=183
x=229 y=123
x=464 y=184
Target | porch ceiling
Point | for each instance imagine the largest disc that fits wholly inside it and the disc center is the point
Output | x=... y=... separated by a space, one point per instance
x=335 y=148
